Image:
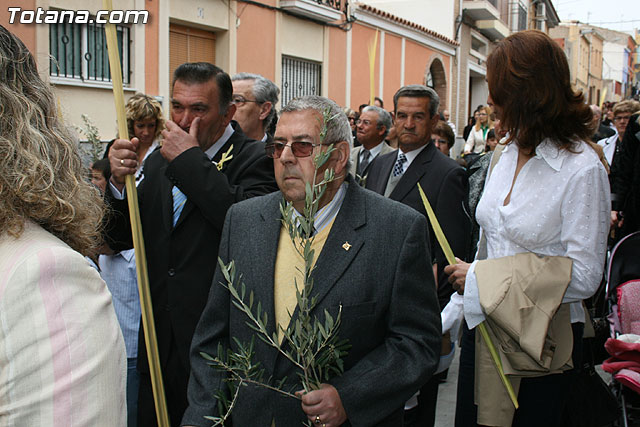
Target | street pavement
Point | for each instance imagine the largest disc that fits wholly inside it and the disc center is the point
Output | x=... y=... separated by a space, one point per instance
x=446 y=406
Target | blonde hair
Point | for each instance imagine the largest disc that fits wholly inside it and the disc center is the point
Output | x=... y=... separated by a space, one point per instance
x=487 y=110
x=41 y=175
x=142 y=107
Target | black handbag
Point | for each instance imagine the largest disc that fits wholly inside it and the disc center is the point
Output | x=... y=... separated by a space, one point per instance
x=591 y=403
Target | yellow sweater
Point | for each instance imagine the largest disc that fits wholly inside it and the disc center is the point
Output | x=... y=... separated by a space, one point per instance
x=289 y=273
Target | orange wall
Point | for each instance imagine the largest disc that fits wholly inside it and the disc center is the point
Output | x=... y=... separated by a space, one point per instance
x=392 y=68
x=257 y=29
x=362 y=37
x=337 y=65
x=151 y=51
x=415 y=65
x=25 y=32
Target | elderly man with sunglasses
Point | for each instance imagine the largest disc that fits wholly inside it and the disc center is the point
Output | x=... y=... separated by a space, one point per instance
x=390 y=314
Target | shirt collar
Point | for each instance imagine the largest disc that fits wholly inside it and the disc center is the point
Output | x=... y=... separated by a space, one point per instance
x=264 y=138
x=547 y=151
x=374 y=151
x=327 y=214
x=551 y=154
x=411 y=155
x=213 y=150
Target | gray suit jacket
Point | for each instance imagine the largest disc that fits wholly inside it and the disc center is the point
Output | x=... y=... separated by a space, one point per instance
x=390 y=312
x=446 y=186
x=355 y=158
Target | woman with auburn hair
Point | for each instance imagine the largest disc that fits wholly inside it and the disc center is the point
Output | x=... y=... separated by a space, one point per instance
x=62 y=357
x=477 y=139
x=546 y=196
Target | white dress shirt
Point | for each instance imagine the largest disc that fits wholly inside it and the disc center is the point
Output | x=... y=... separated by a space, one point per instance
x=559 y=206
x=411 y=155
x=609 y=146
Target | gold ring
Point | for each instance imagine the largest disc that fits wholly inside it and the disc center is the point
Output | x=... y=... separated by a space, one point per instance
x=318 y=420
x=122 y=162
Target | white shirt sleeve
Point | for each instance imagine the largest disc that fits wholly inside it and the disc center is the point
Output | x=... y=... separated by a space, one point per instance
x=586 y=216
x=117 y=194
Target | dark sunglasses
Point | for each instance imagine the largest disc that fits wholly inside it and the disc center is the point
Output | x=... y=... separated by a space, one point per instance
x=299 y=148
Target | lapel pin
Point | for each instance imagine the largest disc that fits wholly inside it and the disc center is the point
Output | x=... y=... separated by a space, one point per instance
x=346 y=246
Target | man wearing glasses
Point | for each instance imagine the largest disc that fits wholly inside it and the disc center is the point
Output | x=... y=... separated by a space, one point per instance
x=389 y=306
x=255 y=98
x=623 y=156
x=204 y=166
x=371 y=129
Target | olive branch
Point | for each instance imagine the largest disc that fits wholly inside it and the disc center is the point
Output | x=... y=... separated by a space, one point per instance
x=311 y=345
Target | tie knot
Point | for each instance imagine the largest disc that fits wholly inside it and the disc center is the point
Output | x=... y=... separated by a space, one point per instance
x=402 y=158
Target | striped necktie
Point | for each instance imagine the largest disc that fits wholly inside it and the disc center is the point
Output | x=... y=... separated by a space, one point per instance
x=366 y=158
x=179 y=199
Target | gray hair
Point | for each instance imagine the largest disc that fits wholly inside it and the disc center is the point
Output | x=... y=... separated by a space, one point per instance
x=384 y=118
x=596 y=111
x=419 y=91
x=264 y=90
x=338 y=128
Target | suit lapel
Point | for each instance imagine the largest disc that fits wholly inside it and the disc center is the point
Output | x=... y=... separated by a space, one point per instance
x=166 y=188
x=342 y=245
x=267 y=247
x=412 y=175
x=236 y=140
x=386 y=166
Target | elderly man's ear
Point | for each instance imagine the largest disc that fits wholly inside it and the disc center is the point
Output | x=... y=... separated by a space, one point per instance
x=342 y=150
x=265 y=109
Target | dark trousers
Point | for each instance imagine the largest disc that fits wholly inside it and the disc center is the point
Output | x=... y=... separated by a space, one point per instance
x=424 y=415
x=133 y=383
x=175 y=379
x=542 y=399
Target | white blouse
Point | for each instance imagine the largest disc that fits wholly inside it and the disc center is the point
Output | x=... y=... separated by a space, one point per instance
x=559 y=206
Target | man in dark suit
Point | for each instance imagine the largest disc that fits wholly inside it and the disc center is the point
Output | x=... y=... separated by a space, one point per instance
x=396 y=175
x=389 y=307
x=204 y=166
x=371 y=129
x=255 y=98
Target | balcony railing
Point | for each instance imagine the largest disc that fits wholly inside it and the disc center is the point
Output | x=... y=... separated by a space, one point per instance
x=335 y=4
x=321 y=10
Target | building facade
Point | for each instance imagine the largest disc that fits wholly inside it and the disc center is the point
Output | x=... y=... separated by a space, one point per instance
x=306 y=46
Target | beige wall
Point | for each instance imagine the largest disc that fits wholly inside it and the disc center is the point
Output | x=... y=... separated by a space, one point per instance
x=301 y=39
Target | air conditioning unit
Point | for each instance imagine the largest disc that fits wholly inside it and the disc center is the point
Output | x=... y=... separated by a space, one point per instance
x=541 y=10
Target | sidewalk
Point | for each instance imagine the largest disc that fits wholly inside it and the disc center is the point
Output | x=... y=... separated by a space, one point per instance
x=446 y=406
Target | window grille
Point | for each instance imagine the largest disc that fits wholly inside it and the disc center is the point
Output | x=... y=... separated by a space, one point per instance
x=79 y=51
x=522 y=18
x=299 y=78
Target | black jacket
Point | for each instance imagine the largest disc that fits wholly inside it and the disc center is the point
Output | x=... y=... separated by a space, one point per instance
x=182 y=259
x=625 y=177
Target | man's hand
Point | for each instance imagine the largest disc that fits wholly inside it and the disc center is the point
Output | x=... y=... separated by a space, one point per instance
x=123 y=160
x=324 y=407
x=457 y=275
x=176 y=140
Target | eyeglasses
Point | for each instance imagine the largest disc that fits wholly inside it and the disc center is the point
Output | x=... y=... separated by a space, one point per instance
x=621 y=118
x=364 y=122
x=352 y=119
x=241 y=100
x=299 y=148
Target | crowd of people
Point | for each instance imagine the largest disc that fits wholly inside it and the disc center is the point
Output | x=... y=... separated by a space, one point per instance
x=530 y=197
